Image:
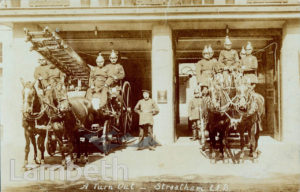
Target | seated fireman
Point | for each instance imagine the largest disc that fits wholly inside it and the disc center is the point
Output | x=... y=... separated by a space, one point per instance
x=115 y=73
x=52 y=82
x=249 y=66
x=97 y=92
x=41 y=74
x=228 y=58
x=204 y=68
x=228 y=61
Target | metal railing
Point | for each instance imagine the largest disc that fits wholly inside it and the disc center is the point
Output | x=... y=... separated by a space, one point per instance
x=132 y=3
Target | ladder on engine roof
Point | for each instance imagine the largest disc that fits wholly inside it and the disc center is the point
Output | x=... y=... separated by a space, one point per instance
x=52 y=47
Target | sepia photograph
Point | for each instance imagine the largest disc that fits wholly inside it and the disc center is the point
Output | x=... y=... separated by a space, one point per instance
x=150 y=95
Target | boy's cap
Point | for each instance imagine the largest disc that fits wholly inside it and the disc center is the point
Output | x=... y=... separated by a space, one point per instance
x=145 y=90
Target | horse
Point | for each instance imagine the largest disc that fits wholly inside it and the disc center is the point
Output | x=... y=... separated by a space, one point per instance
x=218 y=122
x=65 y=126
x=78 y=112
x=250 y=106
x=41 y=118
x=34 y=112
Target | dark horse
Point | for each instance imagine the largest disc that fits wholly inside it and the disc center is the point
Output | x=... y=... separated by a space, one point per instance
x=78 y=112
x=218 y=122
x=33 y=113
x=41 y=118
x=250 y=106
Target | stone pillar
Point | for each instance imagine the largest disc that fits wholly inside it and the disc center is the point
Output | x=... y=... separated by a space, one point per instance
x=6 y=40
x=163 y=80
x=290 y=82
x=18 y=62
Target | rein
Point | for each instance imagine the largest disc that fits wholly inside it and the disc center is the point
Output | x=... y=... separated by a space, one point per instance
x=35 y=116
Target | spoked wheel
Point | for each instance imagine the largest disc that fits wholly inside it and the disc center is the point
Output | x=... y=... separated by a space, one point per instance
x=106 y=142
x=126 y=113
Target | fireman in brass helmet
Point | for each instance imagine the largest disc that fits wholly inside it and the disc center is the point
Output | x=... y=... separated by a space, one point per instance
x=41 y=74
x=57 y=90
x=115 y=73
x=97 y=92
x=242 y=53
x=228 y=61
x=249 y=66
x=51 y=82
x=204 y=68
x=228 y=57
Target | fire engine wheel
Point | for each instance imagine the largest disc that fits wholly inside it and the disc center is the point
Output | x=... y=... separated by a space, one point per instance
x=106 y=142
x=126 y=112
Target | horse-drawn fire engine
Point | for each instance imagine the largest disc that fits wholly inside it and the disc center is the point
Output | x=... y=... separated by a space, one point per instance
x=71 y=125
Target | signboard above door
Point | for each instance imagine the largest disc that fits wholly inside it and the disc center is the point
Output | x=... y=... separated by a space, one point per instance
x=49 y=3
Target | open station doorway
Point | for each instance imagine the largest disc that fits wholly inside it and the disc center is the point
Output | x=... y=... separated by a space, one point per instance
x=266 y=44
x=134 y=51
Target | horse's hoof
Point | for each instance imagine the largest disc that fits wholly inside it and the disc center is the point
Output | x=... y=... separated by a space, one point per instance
x=213 y=155
x=222 y=156
x=203 y=148
x=255 y=155
x=226 y=156
x=86 y=160
x=242 y=155
x=25 y=164
x=24 y=169
x=226 y=161
x=43 y=162
x=63 y=163
x=81 y=159
x=255 y=160
x=75 y=160
x=242 y=160
x=37 y=161
x=213 y=161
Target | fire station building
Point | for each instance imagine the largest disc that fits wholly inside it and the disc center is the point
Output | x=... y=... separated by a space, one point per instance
x=159 y=42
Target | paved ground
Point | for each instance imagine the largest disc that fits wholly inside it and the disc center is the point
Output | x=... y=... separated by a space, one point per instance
x=180 y=164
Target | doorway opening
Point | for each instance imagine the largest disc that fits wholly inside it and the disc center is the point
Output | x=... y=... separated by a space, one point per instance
x=266 y=44
x=134 y=51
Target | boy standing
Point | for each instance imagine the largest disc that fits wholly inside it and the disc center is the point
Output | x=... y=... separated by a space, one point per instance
x=194 y=110
x=146 y=108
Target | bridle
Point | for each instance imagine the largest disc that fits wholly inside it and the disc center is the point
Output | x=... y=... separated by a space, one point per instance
x=30 y=115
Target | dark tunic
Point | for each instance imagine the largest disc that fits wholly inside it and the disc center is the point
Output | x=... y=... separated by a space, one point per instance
x=229 y=58
x=98 y=77
x=194 y=108
x=204 y=69
x=42 y=71
x=249 y=66
x=115 y=72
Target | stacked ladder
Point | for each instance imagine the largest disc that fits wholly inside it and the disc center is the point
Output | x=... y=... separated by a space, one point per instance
x=53 y=48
